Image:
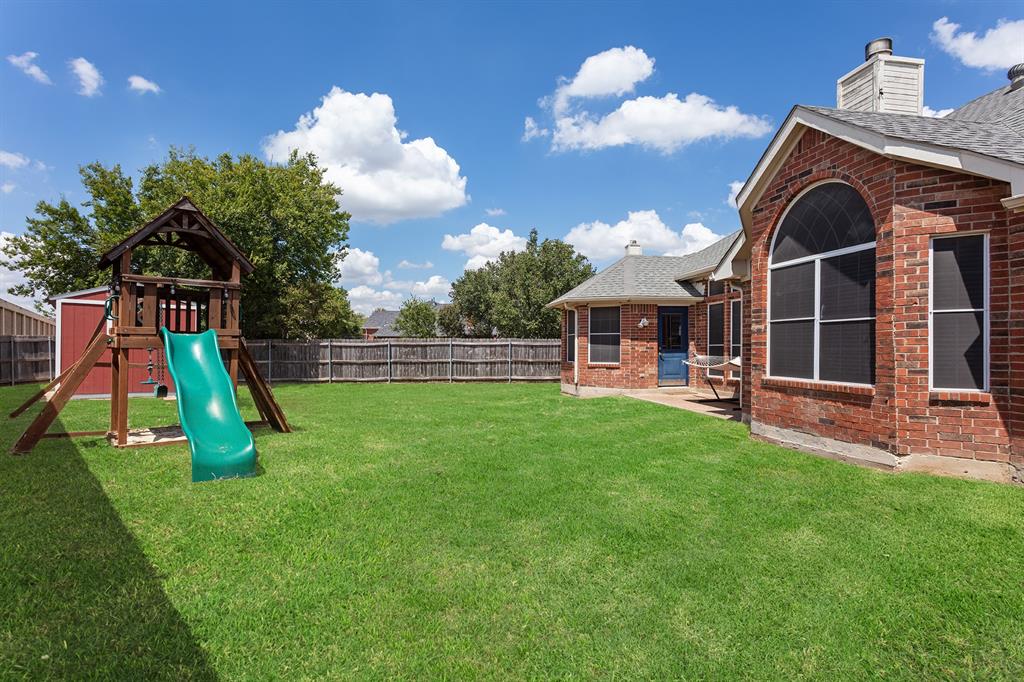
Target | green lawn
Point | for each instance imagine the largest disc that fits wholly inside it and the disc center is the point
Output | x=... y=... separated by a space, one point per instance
x=496 y=531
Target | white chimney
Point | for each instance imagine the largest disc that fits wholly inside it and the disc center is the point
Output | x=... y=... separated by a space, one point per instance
x=633 y=249
x=883 y=82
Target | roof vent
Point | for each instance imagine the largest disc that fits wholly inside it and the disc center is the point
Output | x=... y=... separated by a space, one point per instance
x=633 y=249
x=878 y=46
x=1016 y=76
x=883 y=82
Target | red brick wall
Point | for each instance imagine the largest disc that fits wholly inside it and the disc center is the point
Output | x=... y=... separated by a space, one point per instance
x=898 y=414
x=638 y=351
x=699 y=337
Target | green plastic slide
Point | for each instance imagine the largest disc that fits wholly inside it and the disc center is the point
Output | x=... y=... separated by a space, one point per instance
x=222 y=445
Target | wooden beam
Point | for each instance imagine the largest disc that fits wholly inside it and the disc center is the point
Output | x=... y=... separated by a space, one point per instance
x=261 y=393
x=63 y=375
x=181 y=281
x=52 y=408
x=121 y=424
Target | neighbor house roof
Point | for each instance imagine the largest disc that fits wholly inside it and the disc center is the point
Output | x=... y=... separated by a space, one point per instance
x=985 y=137
x=383 y=321
x=650 y=278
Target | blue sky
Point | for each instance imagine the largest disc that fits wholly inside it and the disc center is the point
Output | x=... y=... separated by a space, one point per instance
x=419 y=110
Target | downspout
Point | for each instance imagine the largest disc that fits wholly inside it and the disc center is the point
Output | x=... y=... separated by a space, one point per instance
x=575 y=349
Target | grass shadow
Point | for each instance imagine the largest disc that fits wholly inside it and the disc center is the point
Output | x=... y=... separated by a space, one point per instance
x=80 y=598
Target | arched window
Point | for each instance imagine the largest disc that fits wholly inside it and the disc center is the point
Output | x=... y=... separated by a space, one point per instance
x=821 y=288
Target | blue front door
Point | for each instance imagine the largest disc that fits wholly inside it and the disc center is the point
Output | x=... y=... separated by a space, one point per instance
x=672 y=347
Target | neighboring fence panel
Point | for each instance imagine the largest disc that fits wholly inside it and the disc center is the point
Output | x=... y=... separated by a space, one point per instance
x=25 y=359
x=408 y=359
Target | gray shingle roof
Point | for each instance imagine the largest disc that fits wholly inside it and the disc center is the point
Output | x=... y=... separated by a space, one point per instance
x=382 y=321
x=649 y=277
x=992 y=125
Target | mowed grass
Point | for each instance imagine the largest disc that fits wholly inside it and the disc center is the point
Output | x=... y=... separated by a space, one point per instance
x=498 y=531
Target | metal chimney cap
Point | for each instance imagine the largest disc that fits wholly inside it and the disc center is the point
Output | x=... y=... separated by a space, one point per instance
x=878 y=46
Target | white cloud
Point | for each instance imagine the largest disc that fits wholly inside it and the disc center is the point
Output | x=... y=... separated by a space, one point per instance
x=999 y=48
x=662 y=123
x=12 y=159
x=7 y=187
x=435 y=287
x=25 y=62
x=600 y=241
x=365 y=300
x=89 y=77
x=483 y=244
x=934 y=113
x=10 y=278
x=383 y=178
x=143 y=85
x=494 y=212
x=410 y=265
x=531 y=130
x=612 y=72
x=369 y=288
x=360 y=267
x=734 y=190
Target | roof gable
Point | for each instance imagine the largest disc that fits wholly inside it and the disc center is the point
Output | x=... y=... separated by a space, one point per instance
x=650 y=277
x=184 y=226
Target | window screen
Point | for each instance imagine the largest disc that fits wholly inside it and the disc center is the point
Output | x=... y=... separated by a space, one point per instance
x=822 y=320
x=736 y=328
x=604 y=335
x=716 y=288
x=829 y=217
x=848 y=286
x=959 y=314
x=716 y=334
x=570 y=336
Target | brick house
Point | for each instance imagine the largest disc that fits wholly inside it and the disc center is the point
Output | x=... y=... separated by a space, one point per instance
x=881 y=271
x=631 y=325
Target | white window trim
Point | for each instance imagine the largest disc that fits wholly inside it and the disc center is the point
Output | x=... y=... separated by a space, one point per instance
x=590 y=317
x=717 y=372
x=986 y=362
x=816 y=318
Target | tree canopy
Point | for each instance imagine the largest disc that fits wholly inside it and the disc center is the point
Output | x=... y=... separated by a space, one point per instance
x=417 y=318
x=286 y=218
x=508 y=296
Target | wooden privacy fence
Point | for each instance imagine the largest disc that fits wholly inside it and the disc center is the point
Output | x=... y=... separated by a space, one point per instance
x=26 y=359
x=408 y=359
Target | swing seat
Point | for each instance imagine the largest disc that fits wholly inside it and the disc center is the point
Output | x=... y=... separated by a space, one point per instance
x=149 y=381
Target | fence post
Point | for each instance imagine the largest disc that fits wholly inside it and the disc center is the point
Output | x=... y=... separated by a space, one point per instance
x=510 y=361
x=12 y=359
x=389 y=361
x=49 y=356
x=330 y=361
x=270 y=360
x=451 y=363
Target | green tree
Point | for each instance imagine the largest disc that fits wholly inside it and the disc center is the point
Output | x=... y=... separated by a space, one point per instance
x=472 y=301
x=320 y=311
x=417 y=318
x=450 y=322
x=286 y=218
x=510 y=294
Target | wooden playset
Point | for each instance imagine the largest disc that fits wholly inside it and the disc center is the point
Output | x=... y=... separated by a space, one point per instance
x=140 y=306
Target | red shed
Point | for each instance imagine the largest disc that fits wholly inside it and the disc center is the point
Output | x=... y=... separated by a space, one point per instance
x=78 y=313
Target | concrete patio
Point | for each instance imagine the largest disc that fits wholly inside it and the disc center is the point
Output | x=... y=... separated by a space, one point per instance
x=686 y=398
